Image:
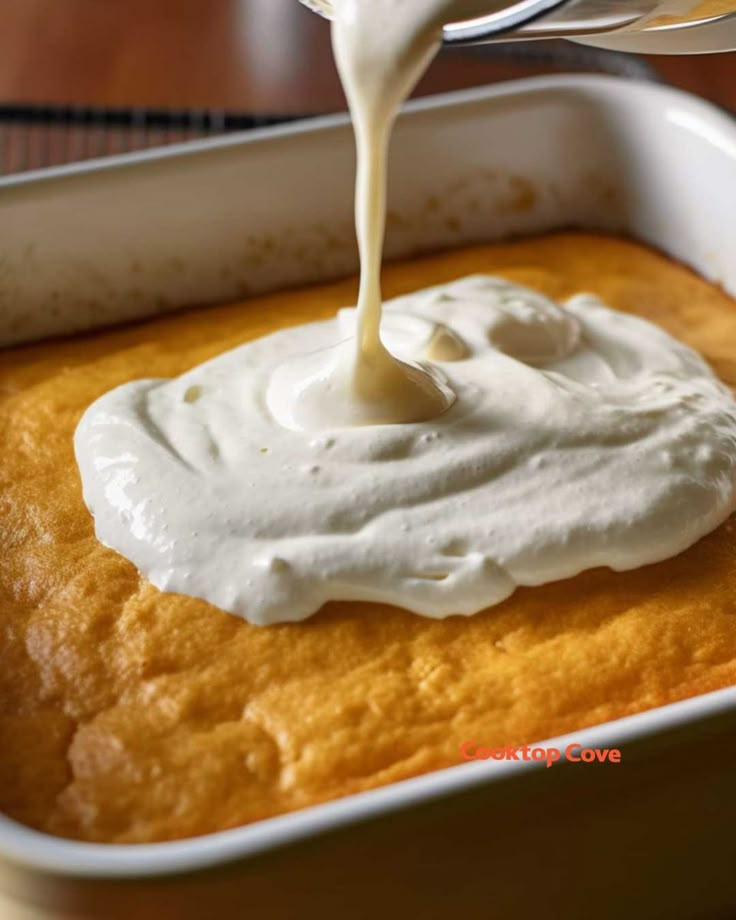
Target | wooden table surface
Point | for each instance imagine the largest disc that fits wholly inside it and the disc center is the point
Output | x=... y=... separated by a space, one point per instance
x=252 y=55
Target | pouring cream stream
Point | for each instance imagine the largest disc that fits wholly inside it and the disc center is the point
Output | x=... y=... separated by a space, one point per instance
x=382 y=48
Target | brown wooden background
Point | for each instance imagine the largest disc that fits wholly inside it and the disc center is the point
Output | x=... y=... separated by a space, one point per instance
x=257 y=55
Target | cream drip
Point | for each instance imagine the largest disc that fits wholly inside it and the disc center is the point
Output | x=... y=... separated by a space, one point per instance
x=381 y=47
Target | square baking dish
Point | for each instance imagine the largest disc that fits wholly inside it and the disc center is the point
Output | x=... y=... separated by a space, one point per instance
x=113 y=240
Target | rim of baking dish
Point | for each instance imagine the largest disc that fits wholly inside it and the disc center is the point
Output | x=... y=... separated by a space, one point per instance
x=72 y=858
x=714 y=123
x=43 y=852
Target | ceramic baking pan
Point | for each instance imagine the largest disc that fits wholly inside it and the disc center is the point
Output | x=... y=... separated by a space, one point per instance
x=216 y=220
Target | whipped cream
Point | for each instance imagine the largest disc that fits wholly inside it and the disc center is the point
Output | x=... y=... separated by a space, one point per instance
x=477 y=439
x=578 y=437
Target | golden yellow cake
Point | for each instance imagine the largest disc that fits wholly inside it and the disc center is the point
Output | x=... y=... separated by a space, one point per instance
x=131 y=715
x=698 y=10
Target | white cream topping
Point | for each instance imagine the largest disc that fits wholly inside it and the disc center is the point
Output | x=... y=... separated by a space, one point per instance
x=478 y=439
x=580 y=437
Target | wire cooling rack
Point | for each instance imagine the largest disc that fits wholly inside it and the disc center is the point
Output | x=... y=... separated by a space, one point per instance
x=39 y=136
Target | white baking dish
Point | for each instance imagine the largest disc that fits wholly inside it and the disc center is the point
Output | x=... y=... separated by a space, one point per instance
x=209 y=221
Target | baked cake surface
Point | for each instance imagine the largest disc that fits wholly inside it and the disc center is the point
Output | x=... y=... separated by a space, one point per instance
x=130 y=715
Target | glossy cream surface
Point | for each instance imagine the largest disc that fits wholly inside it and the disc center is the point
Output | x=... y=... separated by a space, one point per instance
x=342 y=461
x=579 y=437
